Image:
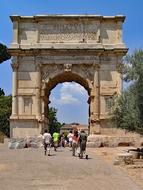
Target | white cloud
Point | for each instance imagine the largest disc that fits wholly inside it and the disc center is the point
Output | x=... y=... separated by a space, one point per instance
x=70 y=93
x=72 y=88
x=70 y=99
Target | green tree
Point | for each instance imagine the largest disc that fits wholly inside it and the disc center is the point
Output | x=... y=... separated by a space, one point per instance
x=134 y=73
x=128 y=111
x=133 y=66
x=54 y=125
x=2 y=92
x=5 y=112
x=4 y=55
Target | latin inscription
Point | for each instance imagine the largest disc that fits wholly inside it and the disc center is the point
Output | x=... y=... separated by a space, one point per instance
x=68 y=32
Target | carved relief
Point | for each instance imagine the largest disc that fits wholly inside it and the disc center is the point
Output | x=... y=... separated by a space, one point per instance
x=67 y=67
x=27 y=105
x=88 y=71
x=50 y=69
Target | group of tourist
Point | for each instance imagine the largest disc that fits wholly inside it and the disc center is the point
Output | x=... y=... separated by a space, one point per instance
x=48 y=140
x=76 y=140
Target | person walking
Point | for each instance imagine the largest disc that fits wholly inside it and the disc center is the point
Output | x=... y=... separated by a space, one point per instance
x=75 y=139
x=70 y=135
x=47 y=141
x=56 y=136
x=62 y=140
x=82 y=142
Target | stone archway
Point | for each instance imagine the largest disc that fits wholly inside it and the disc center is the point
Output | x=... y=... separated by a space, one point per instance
x=47 y=50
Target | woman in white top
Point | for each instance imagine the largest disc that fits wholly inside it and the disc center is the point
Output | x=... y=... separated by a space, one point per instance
x=70 y=135
x=47 y=141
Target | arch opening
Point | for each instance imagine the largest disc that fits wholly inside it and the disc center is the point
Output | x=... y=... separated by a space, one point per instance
x=71 y=83
x=67 y=77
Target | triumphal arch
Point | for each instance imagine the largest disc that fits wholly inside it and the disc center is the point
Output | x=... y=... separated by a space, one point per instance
x=51 y=49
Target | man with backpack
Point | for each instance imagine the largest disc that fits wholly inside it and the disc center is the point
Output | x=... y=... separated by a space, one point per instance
x=82 y=142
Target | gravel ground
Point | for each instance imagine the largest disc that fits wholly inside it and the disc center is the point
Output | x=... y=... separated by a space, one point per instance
x=30 y=169
x=109 y=154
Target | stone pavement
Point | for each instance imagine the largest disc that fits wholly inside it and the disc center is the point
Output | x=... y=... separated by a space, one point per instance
x=30 y=169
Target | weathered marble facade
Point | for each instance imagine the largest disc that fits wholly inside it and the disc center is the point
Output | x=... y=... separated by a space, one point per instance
x=52 y=49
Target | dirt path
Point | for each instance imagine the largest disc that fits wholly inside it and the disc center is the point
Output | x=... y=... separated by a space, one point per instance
x=109 y=155
x=29 y=169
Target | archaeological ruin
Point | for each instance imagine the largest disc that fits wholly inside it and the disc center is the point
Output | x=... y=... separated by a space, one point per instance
x=51 y=49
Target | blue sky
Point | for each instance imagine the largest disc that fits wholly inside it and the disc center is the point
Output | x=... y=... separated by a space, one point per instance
x=77 y=110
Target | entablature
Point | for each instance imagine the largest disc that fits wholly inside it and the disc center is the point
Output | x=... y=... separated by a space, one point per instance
x=66 y=51
x=40 y=30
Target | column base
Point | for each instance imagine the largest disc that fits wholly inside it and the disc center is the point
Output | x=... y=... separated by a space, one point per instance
x=95 y=127
x=14 y=116
x=20 y=128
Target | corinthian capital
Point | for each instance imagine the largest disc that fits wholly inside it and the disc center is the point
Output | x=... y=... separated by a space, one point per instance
x=14 y=66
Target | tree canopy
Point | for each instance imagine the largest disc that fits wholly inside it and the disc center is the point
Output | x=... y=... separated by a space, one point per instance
x=5 y=112
x=2 y=92
x=4 y=55
x=128 y=111
x=54 y=125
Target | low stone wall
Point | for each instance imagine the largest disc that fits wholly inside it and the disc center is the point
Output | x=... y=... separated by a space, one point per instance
x=29 y=142
x=112 y=131
x=93 y=141
x=113 y=141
